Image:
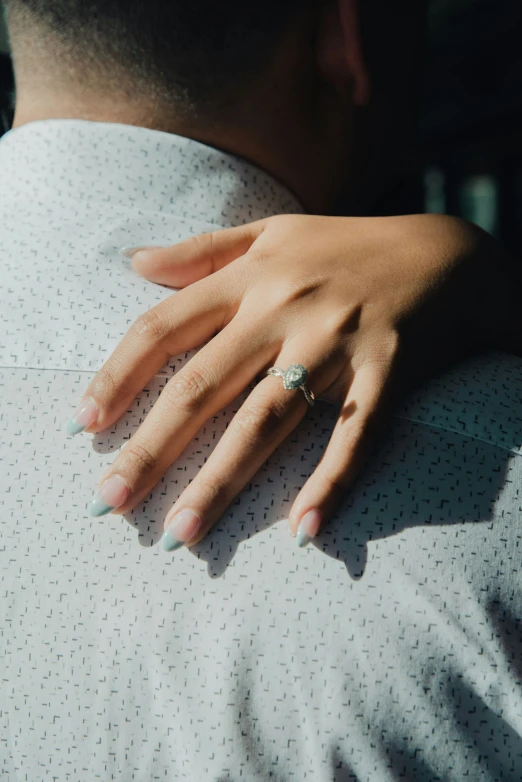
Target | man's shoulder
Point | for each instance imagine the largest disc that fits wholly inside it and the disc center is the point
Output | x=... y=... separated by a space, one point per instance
x=68 y=295
x=480 y=398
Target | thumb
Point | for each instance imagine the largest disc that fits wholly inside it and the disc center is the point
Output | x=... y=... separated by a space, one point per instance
x=184 y=263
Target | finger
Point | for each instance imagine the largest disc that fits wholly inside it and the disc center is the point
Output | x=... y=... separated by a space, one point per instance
x=183 y=321
x=366 y=404
x=210 y=381
x=266 y=418
x=197 y=257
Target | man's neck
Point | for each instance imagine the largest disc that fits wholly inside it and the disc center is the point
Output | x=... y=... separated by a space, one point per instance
x=287 y=157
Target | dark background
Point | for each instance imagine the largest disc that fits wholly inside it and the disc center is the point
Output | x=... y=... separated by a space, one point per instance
x=471 y=128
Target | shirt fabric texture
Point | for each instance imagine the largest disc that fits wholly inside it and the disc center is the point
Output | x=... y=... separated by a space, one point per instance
x=389 y=649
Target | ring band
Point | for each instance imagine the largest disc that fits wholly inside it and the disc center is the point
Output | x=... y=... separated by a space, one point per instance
x=294 y=377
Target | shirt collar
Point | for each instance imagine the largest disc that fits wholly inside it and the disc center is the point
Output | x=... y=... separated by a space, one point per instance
x=133 y=167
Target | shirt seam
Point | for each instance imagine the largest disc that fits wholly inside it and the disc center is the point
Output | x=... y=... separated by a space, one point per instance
x=461 y=434
x=396 y=415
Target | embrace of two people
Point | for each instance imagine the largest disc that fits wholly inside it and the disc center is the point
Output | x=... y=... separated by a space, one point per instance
x=357 y=378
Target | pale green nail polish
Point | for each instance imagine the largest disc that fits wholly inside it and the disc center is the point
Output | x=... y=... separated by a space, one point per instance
x=84 y=416
x=181 y=527
x=99 y=508
x=112 y=494
x=73 y=428
x=170 y=543
x=308 y=528
x=129 y=252
x=302 y=538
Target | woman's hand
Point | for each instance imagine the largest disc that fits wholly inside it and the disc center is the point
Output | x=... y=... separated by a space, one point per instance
x=369 y=306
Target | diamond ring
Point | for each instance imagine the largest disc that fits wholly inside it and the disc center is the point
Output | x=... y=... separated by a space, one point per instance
x=294 y=377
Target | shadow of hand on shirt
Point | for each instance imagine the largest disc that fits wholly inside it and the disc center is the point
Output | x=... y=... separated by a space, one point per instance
x=418 y=476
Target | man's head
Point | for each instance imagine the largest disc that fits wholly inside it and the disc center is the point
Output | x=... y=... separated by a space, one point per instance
x=193 y=53
x=277 y=82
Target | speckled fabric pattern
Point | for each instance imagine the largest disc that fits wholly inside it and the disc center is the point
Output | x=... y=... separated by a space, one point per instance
x=390 y=649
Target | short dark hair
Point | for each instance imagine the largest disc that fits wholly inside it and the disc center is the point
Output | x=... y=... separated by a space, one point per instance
x=195 y=50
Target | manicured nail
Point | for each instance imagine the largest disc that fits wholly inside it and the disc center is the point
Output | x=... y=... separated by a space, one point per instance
x=111 y=495
x=180 y=529
x=84 y=416
x=129 y=252
x=308 y=528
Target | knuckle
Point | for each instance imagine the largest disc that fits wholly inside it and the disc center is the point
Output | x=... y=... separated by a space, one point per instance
x=274 y=301
x=258 y=260
x=141 y=458
x=286 y=294
x=292 y=291
x=104 y=385
x=336 y=485
x=355 y=446
x=260 y=421
x=203 y=245
x=151 y=325
x=385 y=349
x=203 y=241
x=214 y=490
x=343 y=320
x=393 y=346
x=359 y=435
x=285 y=222
x=189 y=390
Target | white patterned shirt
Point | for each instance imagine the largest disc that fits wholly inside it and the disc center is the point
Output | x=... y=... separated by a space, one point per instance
x=389 y=649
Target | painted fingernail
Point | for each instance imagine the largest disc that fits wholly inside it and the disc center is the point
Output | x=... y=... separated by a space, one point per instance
x=84 y=416
x=308 y=528
x=111 y=495
x=180 y=529
x=129 y=252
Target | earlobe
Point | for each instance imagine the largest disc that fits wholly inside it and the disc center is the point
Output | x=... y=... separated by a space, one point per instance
x=340 y=52
x=353 y=53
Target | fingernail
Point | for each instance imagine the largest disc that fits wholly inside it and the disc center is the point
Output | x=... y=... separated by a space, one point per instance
x=308 y=528
x=84 y=416
x=111 y=495
x=128 y=252
x=181 y=528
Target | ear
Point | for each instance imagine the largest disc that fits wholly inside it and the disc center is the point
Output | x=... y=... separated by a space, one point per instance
x=340 y=52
